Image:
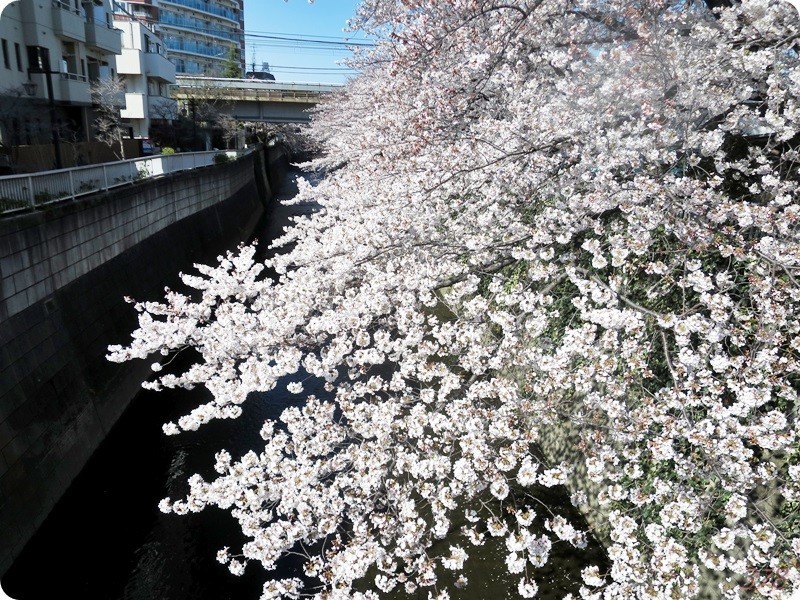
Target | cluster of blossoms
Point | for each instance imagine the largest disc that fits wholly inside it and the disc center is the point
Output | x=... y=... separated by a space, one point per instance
x=537 y=214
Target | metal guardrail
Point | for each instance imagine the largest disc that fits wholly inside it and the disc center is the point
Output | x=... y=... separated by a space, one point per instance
x=249 y=90
x=34 y=190
x=65 y=6
x=199 y=83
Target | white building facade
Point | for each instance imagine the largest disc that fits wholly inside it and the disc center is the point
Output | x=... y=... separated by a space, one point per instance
x=52 y=50
x=147 y=74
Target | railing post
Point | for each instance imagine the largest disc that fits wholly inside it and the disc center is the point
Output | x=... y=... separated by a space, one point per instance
x=31 y=195
x=71 y=185
x=105 y=177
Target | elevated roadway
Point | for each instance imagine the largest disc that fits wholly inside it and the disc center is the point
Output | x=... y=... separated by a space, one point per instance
x=252 y=99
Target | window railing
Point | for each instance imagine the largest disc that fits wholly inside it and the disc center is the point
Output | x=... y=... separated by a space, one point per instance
x=73 y=77
x=101 y=23
x=197 y=27
x=29 y=192
x=206 y=8
x=193 y=47
x=66 y=6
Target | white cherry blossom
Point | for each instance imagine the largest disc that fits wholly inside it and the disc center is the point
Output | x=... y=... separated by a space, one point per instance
x=536 y=216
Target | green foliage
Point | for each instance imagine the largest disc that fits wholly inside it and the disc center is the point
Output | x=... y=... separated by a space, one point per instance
x=88 y=186
x=168 y=150
x=8 y=204
x=221 y=159
x=233 y=67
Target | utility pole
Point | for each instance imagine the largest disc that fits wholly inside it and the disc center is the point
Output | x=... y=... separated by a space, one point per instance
x=41 y=66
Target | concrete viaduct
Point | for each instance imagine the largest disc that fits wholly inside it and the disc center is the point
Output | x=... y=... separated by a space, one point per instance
x=251 y=99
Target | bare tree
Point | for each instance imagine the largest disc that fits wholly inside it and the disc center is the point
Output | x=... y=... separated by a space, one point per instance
x=108 y=96
x=230 y=128
x=202 y=106
x=164 y=109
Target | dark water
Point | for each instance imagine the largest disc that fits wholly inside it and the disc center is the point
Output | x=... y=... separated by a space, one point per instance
x=106 y=539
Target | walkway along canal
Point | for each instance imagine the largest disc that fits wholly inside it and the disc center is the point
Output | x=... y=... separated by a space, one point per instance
x=106 y=539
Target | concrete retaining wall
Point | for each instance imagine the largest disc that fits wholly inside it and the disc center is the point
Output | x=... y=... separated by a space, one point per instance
x=47 y=249
x=65 y=272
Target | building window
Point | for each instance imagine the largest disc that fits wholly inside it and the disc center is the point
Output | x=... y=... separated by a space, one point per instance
x=39 y=58
x=155 y=87
x=6 y=60
x=18 y=54
x=69 y=62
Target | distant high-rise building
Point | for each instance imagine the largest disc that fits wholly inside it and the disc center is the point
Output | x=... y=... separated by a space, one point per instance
x=202 y=37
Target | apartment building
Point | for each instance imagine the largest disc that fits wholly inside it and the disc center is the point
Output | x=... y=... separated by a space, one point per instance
x=147 y=74
x=52 y=50
x=201 y=36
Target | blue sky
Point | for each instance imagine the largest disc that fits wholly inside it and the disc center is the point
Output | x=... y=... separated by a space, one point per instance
x=323 y=21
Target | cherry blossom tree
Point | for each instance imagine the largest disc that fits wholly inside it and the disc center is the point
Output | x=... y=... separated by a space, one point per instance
x=536 y=213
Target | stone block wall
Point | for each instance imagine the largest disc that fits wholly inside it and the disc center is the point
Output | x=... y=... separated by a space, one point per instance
x=43 y=251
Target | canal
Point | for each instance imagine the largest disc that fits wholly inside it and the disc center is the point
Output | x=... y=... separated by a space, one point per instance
x=106 y=539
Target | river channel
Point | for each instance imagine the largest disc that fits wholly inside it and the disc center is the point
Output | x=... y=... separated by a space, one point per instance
x=106 y=539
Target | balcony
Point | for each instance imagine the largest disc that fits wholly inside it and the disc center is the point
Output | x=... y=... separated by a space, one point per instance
x=73 y=88
x=102 y=36
x=206 y=8
x=158 y=66
x=68 y=22
x=130 y=62
x=181 y=46
x=134 y=107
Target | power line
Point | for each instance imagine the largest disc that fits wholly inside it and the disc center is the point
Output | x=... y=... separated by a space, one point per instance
x=305 y=40
x=282 y=39
x=318 y=50
x=309 y=44
x=329 y=39
x=339 y=69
